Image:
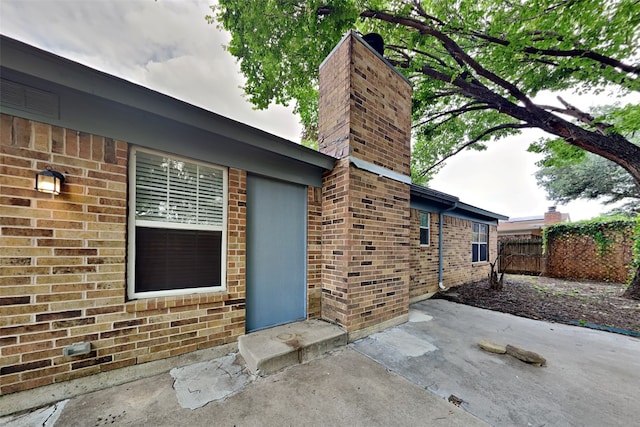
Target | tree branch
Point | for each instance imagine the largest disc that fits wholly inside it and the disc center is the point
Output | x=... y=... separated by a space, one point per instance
x=400 y=51
x=585 y=118
x=472 y=106
x=455 y=51
x=575 y=53
x=428 y=55
x=475 y=140
x=481 y=93
x=611 y=146
x=418 y=7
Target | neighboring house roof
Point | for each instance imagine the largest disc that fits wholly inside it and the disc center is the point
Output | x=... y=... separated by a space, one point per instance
x=530 y=224
x=518 y=227
x=526 y=218
x=78 y=97
x=431 y=200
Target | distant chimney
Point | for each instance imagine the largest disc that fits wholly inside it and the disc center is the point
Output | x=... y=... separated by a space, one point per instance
x=552 y=216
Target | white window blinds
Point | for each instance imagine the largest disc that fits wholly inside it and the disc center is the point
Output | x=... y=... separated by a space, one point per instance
x=171 y=190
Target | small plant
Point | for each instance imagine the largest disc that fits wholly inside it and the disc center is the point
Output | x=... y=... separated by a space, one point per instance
x=497 y=282
x=541 y=288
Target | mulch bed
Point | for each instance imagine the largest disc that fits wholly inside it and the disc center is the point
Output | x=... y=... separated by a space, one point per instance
x=574 y=302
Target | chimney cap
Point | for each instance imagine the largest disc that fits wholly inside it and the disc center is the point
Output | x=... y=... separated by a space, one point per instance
x=552 y=209
x=376 y=41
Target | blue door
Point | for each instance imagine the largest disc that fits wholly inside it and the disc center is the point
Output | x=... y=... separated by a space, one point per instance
x=276 y=252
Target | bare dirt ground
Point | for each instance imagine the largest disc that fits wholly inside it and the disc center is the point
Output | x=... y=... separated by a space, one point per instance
x=581 y=303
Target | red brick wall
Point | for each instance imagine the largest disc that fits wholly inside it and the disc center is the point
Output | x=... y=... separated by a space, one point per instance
x=552 y=217
x=576 y=256
x=314 y=252
x=334 y=104
x=457 y=266
x=364 y=109
x=366 y=272
x=335 y=243
x=63 y=263
x=381 y=111
x=424 y=259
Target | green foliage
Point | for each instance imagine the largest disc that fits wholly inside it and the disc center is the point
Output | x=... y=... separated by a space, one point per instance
x=625 y=120
x=280 y=45
x=636 y=243
x=474 y=64
x=568 y=173
x=310 y=143
x=593 y=178
x=602 y=230
x=557 y=153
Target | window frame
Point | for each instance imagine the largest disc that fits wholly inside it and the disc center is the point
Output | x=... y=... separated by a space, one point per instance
x=133 y=222
x=427 y=227
x=477 y=241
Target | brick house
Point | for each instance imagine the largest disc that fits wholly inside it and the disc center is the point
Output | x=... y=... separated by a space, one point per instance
x=530 y=227
x=177 y=230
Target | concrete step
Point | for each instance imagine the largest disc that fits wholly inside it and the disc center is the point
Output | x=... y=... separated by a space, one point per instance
x=273 y=349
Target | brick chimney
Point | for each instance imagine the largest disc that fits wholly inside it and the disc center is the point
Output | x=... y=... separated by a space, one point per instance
x=365 y=122
x=552 y=216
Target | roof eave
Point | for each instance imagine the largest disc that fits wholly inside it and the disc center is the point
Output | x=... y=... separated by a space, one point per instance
x=482 y=212
x=30 y=60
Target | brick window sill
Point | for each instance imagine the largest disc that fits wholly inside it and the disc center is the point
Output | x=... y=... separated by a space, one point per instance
x=159 y=303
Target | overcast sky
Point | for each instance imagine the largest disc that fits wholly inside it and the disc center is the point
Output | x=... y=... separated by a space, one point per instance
x=169 y=47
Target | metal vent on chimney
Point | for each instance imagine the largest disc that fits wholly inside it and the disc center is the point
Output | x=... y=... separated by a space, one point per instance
x=376 y=41
x=29 y=99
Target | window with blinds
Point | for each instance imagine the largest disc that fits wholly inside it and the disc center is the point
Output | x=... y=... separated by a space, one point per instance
x=177 y=225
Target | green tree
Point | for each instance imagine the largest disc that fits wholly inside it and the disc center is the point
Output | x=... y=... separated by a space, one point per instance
x=475 y=65
x=594 y=178
x=568 y=173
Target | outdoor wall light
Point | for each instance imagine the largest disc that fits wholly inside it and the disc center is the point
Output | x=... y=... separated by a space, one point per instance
x=49 y=181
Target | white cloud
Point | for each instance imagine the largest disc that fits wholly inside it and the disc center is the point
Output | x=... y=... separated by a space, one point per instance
x=165 y=45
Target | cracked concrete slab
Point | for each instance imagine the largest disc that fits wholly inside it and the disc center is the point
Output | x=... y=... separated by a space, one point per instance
x=342 y=388
x=591 y=377
x=402 y=342
x=43 y=417
x=416 y=316
x=204 y=382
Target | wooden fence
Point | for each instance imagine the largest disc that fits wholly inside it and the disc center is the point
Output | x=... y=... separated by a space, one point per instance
x=522 y=256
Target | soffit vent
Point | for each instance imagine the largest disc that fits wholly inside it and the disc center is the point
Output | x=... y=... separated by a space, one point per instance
x=29 y=99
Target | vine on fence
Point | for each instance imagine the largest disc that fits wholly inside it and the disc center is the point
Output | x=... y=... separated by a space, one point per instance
x=602 y=230
x=636 y=249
